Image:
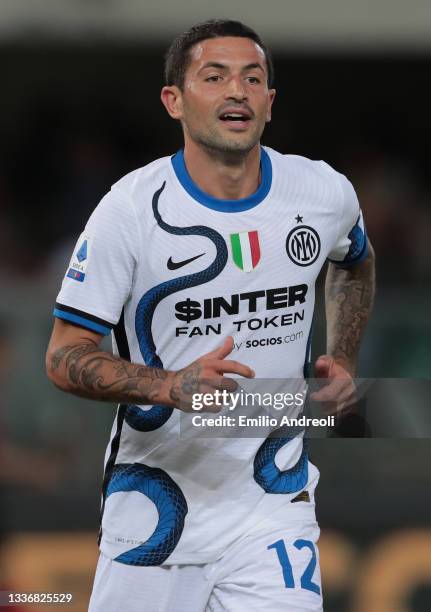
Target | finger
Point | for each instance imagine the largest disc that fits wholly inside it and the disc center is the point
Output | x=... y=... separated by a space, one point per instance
x=344 y=404
x=213 y=408
x=322 y=366
x=334 y=409
x=224 y=384
x=204 y=401
x=234 y=367
x=209 y=385
x=328 y=395
x=332 y=392
x=347 y=394
x=222 y=351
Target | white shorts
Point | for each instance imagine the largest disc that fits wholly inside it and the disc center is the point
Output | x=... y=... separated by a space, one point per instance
x=268 y=571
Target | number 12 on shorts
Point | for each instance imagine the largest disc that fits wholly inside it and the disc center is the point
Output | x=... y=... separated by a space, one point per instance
x=306 y=578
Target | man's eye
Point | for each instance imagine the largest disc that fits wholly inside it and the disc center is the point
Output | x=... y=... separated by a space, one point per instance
x=253 y=79
x=213 y=78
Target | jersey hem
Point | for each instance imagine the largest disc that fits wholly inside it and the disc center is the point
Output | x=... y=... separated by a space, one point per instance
x=285 y=512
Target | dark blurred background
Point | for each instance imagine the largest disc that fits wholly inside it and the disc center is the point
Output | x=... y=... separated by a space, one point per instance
x=80 y=108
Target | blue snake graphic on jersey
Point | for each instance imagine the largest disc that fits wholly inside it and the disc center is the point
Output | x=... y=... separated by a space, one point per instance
x=148 y=420
x=171 y=506
x=270 y=477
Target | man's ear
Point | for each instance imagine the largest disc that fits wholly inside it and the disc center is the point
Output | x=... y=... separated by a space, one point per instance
x=172 y=100
x=271 y=94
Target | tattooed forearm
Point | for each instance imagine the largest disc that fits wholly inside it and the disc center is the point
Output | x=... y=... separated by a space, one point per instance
x=186 y=382
x=96 y=374
x=349 y=301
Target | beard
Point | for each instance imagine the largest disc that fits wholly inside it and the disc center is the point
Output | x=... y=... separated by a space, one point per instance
x=223 y=143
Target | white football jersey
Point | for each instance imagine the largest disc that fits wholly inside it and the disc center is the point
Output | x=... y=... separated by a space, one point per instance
x=172 y=272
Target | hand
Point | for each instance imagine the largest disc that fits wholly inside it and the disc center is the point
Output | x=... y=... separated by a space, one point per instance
x=206 y=375
x=340 y=392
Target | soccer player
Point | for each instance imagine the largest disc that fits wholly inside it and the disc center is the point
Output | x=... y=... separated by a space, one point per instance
x=190 y=261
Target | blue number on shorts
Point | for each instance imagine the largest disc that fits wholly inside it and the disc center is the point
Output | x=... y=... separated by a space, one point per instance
x=284 y=562
x=306 y=578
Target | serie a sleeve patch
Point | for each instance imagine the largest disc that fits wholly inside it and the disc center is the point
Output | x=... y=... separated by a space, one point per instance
x=79 y=261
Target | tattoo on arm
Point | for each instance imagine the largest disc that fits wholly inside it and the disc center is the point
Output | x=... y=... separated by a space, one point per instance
x=349 y=301
x=186 y=382
x=96 y=374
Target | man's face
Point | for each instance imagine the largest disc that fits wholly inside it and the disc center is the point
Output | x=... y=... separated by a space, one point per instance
x=225 y=101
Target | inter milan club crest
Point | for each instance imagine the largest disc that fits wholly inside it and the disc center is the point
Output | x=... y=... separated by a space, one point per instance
x=303 y=245
x=245 y=250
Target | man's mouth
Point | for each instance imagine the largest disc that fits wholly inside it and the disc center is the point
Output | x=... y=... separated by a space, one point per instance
x=235 y=119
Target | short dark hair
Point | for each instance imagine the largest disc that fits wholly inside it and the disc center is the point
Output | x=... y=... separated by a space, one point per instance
x=177 y=58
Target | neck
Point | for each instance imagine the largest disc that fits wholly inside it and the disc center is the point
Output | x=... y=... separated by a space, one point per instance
x=225 y=176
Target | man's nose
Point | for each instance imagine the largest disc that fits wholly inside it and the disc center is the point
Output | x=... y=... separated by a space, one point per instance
x=236 y=89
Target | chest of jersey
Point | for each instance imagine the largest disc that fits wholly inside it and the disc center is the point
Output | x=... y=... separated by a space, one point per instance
x=193 y=246
x=207 y=274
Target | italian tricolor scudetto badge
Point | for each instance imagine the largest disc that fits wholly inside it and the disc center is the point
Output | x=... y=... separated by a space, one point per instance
x=245 y=250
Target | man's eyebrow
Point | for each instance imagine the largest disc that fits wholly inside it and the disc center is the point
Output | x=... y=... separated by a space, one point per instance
x=224 y=67
x=213 y=65
x=254 y=65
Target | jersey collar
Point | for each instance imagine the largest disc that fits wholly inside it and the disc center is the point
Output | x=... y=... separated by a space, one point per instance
x=230 y=206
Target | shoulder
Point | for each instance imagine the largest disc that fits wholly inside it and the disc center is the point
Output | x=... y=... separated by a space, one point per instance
x=300 y=164
x=142 y=179
x=309 y=178
x=131 y=191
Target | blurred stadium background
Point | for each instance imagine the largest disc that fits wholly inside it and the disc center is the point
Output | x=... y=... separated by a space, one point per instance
x=80 y=108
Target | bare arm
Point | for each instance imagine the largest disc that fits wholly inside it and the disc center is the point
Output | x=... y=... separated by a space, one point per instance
x=77 y=365
x=349 y=300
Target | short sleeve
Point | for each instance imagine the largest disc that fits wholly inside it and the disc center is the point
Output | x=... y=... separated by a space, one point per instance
x=351 y=246
x=99 y=277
